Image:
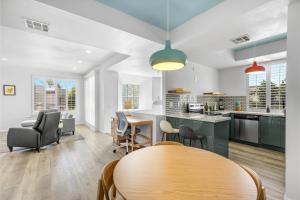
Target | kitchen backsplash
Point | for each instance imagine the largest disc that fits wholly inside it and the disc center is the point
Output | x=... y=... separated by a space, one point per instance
x=177 y=103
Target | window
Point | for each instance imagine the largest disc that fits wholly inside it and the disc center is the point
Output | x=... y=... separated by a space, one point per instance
x=50 y=93
x=257 y=90
x=268 y=88
x=130 y=96
x=278 y=86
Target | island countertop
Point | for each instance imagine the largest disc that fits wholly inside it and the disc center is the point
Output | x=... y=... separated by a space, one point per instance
x=251 y=113
x=199 y=117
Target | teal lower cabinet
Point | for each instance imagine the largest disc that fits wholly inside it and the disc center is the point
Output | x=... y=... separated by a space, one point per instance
x=217 y=134
x=272 y=131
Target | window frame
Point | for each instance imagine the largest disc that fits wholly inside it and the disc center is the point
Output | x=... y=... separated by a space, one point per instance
x=54 y=78
x=268 y=66
x=133 y=96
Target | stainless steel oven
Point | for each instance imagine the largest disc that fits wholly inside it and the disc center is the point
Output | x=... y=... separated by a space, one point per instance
x=246 y=127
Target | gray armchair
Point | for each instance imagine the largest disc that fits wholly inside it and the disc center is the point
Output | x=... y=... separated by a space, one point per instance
x=68 y=122
x=44 y=132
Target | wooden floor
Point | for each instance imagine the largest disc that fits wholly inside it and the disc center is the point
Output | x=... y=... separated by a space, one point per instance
x=70 y=171
x=270 y=165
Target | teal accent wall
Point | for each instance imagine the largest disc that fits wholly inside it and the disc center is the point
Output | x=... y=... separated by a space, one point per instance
x=154 y=11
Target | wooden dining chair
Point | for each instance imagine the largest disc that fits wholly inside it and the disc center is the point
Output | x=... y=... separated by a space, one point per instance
x=106 y=183
x=168 y=143
x=261 y=191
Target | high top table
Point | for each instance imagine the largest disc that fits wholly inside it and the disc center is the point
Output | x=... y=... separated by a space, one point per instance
x=178 y=172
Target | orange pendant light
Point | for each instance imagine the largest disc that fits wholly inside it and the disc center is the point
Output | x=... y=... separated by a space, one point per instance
x=254 y=69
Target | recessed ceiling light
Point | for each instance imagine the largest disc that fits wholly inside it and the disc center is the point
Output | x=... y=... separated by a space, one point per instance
x=79 y=61
x=88 y=51
x=4 y=59
x=74 y=68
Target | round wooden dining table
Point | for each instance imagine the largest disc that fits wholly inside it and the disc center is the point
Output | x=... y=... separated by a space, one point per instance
x=170 y=172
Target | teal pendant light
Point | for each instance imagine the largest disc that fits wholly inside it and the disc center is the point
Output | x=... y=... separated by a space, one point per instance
x=168 y=59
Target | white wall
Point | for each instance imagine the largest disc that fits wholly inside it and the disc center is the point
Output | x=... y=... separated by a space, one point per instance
x=145 y=100
x=232 y=81
x=293 y=98
x=157 y=94
x=15 y=109
x=195 y=78
x=109 y=99
x=89 y=100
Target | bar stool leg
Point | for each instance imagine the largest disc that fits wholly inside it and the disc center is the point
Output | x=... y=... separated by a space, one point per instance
x=201 y=141
x=190 y=142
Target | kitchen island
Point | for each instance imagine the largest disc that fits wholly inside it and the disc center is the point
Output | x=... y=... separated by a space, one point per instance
x=215 y=128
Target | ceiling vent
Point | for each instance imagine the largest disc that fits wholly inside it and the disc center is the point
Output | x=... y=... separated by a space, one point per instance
x=36 y=25
x=241 y=39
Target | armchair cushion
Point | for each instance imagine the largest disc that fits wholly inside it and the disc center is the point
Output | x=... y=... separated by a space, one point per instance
x=38 y=120
x=42 y=124
x=23 y=137
x=28 y=123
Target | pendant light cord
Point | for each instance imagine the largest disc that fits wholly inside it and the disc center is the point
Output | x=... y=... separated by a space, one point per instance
x=168 y=19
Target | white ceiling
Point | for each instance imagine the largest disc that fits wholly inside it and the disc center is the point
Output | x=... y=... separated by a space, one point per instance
x=77 y=25
x=209 y=40
x=71 y=32
x=25 y=49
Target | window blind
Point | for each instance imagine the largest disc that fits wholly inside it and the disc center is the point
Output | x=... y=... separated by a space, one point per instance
x=38 y=94
x=257 y=91
x=50 y=93
x=278 y=86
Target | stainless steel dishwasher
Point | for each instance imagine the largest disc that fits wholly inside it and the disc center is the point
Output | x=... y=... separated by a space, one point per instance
x=246 y=127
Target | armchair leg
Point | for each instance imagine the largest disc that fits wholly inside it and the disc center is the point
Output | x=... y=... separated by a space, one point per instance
x=57 y=141
x=38 y=149
x=73 y=132
x=10 y=149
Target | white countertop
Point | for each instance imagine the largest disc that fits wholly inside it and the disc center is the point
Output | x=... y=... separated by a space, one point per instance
x=147 y=112
x=199 y=117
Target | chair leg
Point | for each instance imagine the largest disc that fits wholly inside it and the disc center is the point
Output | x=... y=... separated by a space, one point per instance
x=38 y=149
x=190 y=142
x=114 y=192
x=10 y=149
x=178 y=137
x=127 y=145
x=162 y=138
x=73 y=132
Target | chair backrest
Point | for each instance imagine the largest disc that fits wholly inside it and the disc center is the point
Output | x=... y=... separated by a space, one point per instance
x=40 y=117
x=186 y=131
x=165 y=126
x=49 y=127
x=261 y=192
x=122 y=123
x=106 y=181
x=168 y=143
